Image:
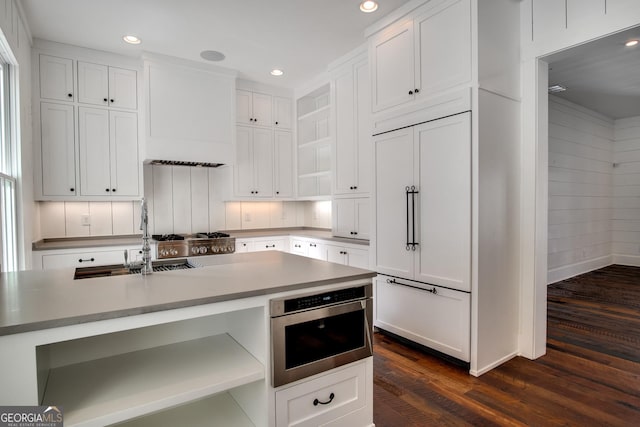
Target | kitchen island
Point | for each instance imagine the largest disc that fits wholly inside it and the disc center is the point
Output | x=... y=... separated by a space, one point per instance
x=121 y=349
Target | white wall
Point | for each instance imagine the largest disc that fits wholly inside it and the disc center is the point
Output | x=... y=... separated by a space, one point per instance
x=580 y=189
x=626 y=192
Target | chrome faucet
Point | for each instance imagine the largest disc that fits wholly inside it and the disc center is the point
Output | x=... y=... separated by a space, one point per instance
x=147 y=268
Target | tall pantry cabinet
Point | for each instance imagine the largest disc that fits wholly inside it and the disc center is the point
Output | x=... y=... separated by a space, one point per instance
x=86 y=125
x=445 y=103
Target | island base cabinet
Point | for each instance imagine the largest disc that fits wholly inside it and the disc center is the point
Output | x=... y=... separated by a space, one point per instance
x=338 y=398
x=436 y=317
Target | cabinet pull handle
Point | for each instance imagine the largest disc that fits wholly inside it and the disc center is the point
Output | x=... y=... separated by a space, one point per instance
x=112 y=100
x=70 y=95
x=408 y=247
x=410 y=92
x=86 y=260
x=113 y=190
x=255 y=120
x=394 y=282
x=277 y=192
x=276 y=122
x=72 y=189
x=106 y=189
x=270 y=246
x=413 y=217
x=105 y=99
x=416 y=90
x=313 y=245
x=316 y=402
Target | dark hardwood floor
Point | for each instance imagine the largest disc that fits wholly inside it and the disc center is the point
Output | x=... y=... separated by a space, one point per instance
x=590 y=375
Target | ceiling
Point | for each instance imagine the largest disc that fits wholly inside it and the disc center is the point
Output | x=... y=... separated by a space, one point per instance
x=298 y=36
x=602 y=75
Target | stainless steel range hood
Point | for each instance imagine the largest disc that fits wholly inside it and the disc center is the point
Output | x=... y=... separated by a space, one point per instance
x=184 y=163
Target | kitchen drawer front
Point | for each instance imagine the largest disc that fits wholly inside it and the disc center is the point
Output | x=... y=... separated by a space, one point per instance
x=82 y=259
x=270 y=245
x=299 y=247
x=440 y=320
x=295 y=405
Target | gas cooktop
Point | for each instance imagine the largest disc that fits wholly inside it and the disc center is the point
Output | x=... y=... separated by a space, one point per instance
x=198 y=244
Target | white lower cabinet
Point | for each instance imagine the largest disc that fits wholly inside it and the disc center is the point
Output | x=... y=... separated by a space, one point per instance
x=317 y=250
x=82 y=258
x=348 y=255
x=325 y=400
x=299 y=247
x=436 y=317
x=243 y=245
x=274 y=244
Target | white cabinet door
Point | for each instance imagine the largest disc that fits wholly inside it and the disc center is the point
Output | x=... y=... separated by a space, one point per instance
x=394 y=166
x=299 y=247
x=436 y=317
x=58 y=150
x=270 y=245
x=282 y=112
x=344 y=218
x=56 y=78
x=361 y=212
x=244 y=170
x=82 y=259
x=345 y=151
x=283 y=165
x=336 y=254
x=243 y=107
x=262 y=109
x=317 y=250
x=123 y=88
x=123 y=137
x=93 y=138
x=294 y=405
x=357 y=257
x=392 y=66
x=443 y=214
x=93 y=83
x=443 y=37
x=263 y=162
x=364 y=148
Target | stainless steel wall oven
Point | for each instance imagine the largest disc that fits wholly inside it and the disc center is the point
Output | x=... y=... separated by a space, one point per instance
x=313 y=333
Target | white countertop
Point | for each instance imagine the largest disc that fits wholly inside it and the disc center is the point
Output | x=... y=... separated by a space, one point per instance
x=34 y=300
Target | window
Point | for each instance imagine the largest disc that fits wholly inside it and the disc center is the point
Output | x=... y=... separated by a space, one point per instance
x=8 y=168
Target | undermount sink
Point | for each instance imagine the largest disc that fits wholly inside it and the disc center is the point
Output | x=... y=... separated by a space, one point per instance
x=120 y=269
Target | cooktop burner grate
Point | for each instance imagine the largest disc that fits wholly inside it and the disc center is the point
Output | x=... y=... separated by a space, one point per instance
x=166 y=237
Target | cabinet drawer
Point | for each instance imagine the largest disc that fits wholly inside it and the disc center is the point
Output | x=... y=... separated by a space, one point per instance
x=82 y=259
x=299 y=247
x=295 y=405
x=269 y=245
x=439 y=320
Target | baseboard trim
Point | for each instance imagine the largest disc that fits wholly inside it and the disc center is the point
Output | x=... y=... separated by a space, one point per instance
x=487 y=368
x=632 y=260
x=567 y=271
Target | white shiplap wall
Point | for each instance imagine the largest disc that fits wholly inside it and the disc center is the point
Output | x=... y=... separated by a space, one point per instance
x=625 y=223
x=580 y=189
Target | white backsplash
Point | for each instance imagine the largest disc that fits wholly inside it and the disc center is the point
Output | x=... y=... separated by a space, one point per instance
x=181 y=200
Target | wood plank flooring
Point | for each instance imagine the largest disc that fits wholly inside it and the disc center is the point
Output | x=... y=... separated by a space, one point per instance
x=590 y=375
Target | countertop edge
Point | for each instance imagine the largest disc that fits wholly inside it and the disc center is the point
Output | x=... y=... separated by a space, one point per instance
x=76 y=320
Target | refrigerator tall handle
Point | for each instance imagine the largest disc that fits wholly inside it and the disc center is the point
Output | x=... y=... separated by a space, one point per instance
x=406 y=190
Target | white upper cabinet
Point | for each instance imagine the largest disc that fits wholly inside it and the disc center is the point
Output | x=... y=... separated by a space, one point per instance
x=422 y=54
x=283 y=163
x=253 y=108
x=108 y=86
x=108 y=143
x=392 y=66
x=282 y=112
x=58 y=150
x=351 y=218
x=56 y=78
x=254 y=162
x=352 y=154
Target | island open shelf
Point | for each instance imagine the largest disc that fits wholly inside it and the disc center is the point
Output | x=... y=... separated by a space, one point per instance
x=126 y=386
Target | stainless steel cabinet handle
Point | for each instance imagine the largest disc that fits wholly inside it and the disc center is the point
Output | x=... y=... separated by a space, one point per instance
x=86 y=260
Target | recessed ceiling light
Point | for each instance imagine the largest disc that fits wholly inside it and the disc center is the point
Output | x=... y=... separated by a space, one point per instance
x=631 y=43
x=368 y=6
x=277 y=72
x=557 y=88
x=132 y=39
x=212 y=55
